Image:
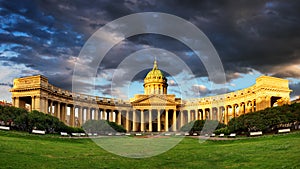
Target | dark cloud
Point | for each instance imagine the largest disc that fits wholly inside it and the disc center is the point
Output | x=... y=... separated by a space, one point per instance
x=46 y=36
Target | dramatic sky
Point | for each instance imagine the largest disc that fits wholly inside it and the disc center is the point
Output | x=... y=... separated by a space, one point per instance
x=252 y=38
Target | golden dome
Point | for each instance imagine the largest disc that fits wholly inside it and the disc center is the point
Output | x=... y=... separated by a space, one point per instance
x=155 y=82
x=155 y=75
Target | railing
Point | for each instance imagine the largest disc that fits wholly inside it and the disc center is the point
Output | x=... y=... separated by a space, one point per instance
x=86 y=97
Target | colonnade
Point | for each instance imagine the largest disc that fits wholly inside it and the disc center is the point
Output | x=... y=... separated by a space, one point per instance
x=156 y=120
x=135 y=120
x=221 y=113
x=137 y=114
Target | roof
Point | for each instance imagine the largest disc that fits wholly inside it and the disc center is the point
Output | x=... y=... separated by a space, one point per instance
x=155 y=73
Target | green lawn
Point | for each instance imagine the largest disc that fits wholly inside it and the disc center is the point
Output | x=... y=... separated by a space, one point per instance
x=21 y=150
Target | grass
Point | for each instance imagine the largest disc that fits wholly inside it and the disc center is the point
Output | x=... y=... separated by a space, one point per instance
x=22 y=150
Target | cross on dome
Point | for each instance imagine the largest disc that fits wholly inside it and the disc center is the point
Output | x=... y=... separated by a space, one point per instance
x=155 y=65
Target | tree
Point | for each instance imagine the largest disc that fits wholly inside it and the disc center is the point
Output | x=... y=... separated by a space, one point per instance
x=267 y=120
x=22 y=120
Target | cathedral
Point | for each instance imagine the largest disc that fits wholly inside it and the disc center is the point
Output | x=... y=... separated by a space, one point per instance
x=153 y=111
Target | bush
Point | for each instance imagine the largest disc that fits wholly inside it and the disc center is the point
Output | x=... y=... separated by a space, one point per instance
x=224 y=130
x=204 y=126
x=116 y=127
x=102 y=127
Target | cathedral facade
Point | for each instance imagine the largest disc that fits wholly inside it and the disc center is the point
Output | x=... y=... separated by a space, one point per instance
x=153 y=111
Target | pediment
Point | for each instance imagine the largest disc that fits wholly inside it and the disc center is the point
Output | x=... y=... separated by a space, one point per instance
x=154 y=99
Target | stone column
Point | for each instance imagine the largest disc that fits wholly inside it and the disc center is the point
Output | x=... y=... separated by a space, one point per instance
x=80 y=116
x=207 y=115
x=226 y=115
x=58 y=112
x=46 y=110
x=98 y=114
x=203 y=114
x=243 y=108
x=32 y=103
x=133 y=120
x=181 y=118
x=17 y=102
x=14 y=101
x=119 y=118
x=111 y=117
x=174 y=120
x=210 y=114
x=258 y=103
x=220 y=114
x=51 y=107
x=167 y=120
x=199 y=115
x=158 y=121
x=72 y=115
x=214 y=113
x=55 y=110
x=252 y=106
x=92 y=113
x=64 y=110
x=88 y=113
x=127 y=121
x=150 y=120
x=142 y=121
x=189 y=115
x=37 y=103
x=233 y=111
x=95 y=114
x=103 y=114
x=248 y=107
x=43 y=104
x=196 y=114
x=83 y=115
